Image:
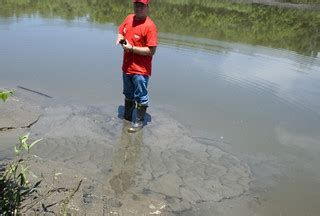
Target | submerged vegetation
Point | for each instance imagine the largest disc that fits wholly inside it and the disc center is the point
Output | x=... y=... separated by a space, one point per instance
x=288 y=28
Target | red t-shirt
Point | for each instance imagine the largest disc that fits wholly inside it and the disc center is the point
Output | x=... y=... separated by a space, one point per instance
x=139 y=33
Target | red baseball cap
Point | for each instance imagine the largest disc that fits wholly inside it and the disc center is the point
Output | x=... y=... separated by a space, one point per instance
x=146 y=2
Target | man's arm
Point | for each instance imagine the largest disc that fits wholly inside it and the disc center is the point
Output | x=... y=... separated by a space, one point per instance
x=144 y=51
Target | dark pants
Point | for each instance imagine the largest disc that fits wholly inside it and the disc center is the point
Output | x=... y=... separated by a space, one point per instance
x=135 y=88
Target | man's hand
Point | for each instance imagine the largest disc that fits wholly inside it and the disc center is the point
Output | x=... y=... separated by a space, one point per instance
x=127 y=47
x=119 y=38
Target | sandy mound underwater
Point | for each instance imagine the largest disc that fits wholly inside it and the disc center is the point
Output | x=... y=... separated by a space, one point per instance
x=160 y=170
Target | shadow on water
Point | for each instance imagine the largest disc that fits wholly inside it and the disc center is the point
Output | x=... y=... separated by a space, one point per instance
x=124 y=161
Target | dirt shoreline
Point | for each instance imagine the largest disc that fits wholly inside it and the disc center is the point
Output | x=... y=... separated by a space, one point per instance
x=279 y=4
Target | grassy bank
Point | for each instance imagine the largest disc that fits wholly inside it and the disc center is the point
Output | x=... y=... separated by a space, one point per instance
x=278 y=27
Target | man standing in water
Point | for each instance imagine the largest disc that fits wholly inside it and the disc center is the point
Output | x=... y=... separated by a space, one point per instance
x=138 y=38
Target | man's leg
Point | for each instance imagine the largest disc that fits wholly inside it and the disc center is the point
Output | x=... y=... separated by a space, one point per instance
x=140 y=83
x=128 y=91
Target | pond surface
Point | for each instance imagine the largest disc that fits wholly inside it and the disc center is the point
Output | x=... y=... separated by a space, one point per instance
x=261 y=99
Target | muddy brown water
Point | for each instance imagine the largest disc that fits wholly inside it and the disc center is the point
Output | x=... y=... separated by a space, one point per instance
x=246 y=115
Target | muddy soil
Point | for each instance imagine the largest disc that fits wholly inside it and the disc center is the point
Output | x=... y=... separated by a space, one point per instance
x=161 y=170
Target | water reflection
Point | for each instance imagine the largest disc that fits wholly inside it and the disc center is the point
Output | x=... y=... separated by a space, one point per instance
x=125 y=159
x=288 y=28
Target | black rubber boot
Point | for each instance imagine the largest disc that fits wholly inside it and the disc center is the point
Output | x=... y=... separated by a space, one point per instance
x=141 y=111
x=128 y=109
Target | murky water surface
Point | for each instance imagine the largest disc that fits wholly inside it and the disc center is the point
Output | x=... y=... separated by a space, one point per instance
x=262 y=102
